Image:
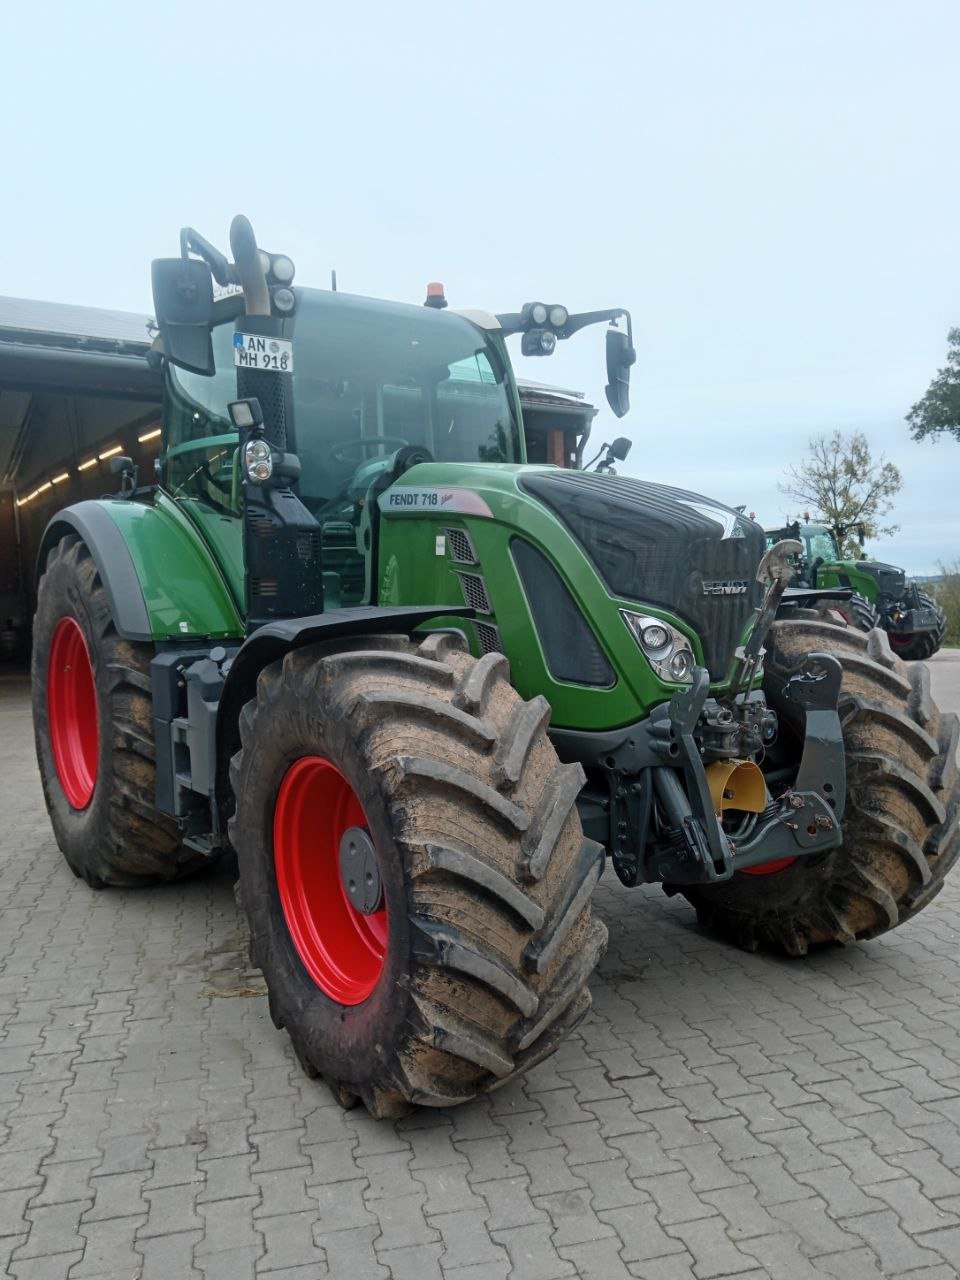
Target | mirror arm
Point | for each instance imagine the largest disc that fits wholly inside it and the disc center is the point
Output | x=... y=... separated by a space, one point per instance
x=215 y=260
x=510 y=323
x=584 y=318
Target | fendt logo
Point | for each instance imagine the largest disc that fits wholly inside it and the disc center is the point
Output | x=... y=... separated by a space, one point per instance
x=728 y=587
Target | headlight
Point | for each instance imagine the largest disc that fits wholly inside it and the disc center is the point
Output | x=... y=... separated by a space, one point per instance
x=258 y=460
x=654 y=637
x=666 y=649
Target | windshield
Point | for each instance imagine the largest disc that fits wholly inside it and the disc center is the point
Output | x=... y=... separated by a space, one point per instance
x=369 y=377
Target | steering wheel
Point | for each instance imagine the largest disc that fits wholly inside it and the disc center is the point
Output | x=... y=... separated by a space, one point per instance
x=341 y=452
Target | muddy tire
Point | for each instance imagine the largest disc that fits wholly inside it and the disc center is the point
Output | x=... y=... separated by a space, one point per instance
x=921 y=644
x=469 y=962
x=856 y=612
x=93 y=726
x=902 y=811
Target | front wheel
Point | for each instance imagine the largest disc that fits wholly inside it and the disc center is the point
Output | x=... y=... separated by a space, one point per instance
x=910 y=645
x=900 y=824
x=413 y=869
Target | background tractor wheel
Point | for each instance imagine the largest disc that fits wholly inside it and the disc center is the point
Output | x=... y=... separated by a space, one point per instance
x=903 y=805
x=413 y=869
x=93 y=724
x=921 y=644
x=856 y=612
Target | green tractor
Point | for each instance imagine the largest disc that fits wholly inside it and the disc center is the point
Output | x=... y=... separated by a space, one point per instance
x=423 y=690
x=878 y=595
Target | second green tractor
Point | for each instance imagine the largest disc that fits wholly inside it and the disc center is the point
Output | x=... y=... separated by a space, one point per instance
x=427 y=692
x=880 y=595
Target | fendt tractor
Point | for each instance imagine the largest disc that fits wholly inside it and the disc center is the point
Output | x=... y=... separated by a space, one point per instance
x=880 y=595
x=422 y=690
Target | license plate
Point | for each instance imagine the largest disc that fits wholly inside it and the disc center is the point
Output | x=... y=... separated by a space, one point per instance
x=253 y=351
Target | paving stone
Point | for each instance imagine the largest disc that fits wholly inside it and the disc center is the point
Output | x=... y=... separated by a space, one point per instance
x=110 y=1248
x=229 y=1264
x=610 y=1187
x=895 y=1249
x=169 y=1257
x=13 y=1205
x=532 y=1254
x=402 y=1222
x=448 y=1189
x=288 y=1242
x=640 y=1232
x=117 y=1195
x=52 y=1266
x=351 y=1253
x=54 y=1228
x=857 y=1264
x=228 y=1227
x=415 y=1262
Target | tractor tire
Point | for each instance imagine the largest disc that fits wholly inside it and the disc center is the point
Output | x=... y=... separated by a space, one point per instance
x=920 y=644
x=856 y=612
x=900 y=823
x=468 y=961
x=93 y=725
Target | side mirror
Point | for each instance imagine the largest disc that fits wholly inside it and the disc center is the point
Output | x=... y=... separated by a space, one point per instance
x=183 y=300
x=620 y=448
x=861 y=535
x=620 y=356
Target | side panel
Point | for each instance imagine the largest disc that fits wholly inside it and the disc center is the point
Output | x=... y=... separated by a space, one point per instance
x=161 y=579
x=845 y=573
x=419 y=563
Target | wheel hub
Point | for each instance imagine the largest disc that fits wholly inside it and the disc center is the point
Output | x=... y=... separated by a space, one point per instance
x=359 y=871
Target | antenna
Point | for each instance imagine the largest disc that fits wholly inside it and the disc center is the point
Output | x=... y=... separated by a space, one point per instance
x=333 y=280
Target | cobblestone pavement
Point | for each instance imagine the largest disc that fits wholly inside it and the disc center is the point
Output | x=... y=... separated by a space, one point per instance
x=717 y=1114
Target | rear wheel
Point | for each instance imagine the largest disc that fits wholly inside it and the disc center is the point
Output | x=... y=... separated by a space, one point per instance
x=93 y=724
x=413 y=869
x=920 y=644
x=900 y=824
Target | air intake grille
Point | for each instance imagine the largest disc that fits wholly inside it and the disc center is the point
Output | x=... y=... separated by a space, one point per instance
x=569 y=646
x=488 y=638
x=266 y=387
x=475 y=592
x=461 y=548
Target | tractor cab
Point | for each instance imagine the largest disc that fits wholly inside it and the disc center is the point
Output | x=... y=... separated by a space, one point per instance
x=376 y=388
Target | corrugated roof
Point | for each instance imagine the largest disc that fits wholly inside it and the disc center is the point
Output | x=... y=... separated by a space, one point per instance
x=75 y=325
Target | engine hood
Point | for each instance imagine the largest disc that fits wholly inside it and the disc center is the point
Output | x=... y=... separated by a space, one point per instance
x=666 y=547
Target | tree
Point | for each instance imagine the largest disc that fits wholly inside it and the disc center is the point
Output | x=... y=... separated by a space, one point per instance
x=939 y=410
x=846 y=485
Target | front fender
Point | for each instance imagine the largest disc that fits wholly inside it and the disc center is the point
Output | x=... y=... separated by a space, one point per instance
x=160 y=577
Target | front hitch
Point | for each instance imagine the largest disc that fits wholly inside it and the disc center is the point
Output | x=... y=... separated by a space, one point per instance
x=802 y=822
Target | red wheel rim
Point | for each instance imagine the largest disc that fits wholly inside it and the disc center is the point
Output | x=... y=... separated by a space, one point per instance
x=768 y=868
x=900 y=639
x=341 y=948
x=72 y=713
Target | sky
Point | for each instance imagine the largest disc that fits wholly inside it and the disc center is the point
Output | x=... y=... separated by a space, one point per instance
x=772 y=190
